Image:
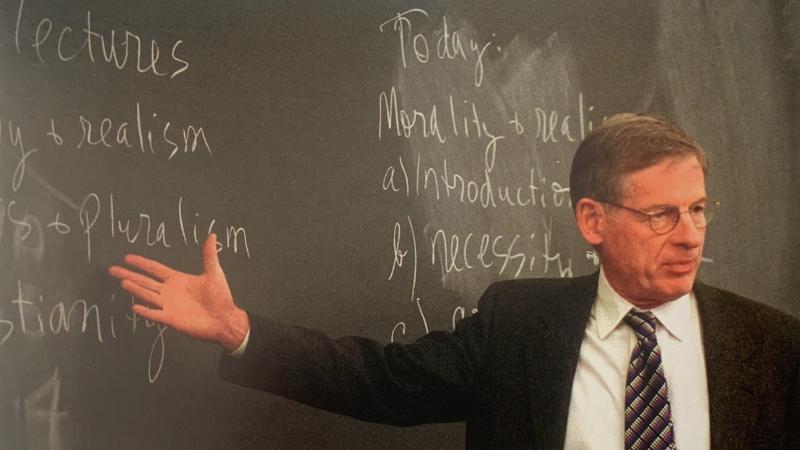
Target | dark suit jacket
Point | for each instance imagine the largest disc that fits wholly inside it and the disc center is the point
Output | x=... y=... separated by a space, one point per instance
x=508 y=369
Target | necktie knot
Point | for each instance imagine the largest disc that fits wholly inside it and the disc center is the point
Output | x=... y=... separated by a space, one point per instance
x=643 y=324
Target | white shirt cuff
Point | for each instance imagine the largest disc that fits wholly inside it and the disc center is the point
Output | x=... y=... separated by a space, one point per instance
x=240 y=350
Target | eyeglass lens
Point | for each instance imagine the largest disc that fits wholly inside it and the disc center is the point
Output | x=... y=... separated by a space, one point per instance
x=665 y=221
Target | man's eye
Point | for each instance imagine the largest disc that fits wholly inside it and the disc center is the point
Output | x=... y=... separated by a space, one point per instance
x=659 y=215
x=698 y=209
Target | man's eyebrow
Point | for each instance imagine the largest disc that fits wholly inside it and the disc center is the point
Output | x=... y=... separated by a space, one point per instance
x=659 y=206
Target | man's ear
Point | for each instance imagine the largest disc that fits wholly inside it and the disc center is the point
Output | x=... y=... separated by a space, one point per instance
x=590 y=216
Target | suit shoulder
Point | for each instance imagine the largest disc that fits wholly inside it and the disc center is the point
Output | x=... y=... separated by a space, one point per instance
x=537 y=283
x=536 y=290
x=759 y=317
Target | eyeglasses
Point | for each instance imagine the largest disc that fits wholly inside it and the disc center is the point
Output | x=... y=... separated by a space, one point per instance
x=664 y=220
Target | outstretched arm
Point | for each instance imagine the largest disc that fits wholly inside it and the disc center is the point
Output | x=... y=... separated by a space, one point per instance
x=430 y=380
x=200 y=306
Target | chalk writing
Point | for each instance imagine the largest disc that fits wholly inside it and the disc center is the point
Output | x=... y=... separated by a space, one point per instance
x=462 y=118
x=22 y=223
x=458 y=314
x=57 y=139
x=401 y=325
x=141 y=227
x=138 y=133
x=486 y=192
x=56 y=43
x=399 y=257
x=404 y=121
x=592 y=256
x=2 y=218
x=59 y=226
x=512 y=254
x=13 y=134
x=401 y=251
x=41 y=317
x=452 y=117
x=552 y=126
x=449 y=45
x=100 y=214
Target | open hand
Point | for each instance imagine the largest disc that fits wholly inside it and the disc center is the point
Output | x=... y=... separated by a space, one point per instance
x=200 y=306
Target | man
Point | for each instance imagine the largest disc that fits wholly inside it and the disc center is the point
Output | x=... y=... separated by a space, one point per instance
x=638 y=355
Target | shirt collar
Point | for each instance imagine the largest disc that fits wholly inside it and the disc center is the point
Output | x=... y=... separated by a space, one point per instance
x=610 y=308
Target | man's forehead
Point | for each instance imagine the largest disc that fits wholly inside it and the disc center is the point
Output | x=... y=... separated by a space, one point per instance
x=669 y=181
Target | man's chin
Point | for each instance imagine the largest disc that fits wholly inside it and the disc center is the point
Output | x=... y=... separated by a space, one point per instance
x=677 y=286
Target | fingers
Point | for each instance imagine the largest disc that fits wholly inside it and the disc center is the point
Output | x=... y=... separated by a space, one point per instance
x=124 y=274
x=156 y=315
x=149 y=266
x=146 y=295
x=210 y=257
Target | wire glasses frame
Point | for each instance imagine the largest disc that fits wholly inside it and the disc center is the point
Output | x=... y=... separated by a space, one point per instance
x=665 y=220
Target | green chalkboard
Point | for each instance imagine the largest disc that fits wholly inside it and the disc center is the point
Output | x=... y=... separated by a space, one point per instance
x=369 y=167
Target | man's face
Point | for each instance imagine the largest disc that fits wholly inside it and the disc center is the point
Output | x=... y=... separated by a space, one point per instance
x=644 y=267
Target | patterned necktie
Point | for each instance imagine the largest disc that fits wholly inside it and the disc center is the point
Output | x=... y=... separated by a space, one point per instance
x=648 y=423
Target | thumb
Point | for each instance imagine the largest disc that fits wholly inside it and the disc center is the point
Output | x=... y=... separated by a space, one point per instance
x=210 y=258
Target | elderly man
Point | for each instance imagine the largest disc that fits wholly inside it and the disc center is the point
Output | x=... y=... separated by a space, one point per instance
x=637 y=356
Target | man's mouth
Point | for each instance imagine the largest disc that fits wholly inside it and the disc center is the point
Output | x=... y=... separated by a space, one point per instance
x=681 y=267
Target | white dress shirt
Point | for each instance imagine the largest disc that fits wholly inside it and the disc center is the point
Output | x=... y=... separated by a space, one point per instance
x=597 y=406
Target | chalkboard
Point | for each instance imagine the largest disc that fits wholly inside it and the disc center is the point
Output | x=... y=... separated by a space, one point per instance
x=369 y=167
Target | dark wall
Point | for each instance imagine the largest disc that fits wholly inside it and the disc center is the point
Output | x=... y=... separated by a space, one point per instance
x=275 y=125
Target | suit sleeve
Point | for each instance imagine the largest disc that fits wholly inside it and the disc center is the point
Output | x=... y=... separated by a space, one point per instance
x=430 y=380
x=793 y=406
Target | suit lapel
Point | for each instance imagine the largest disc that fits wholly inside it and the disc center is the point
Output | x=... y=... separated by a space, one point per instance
x=733 y=382
x=551 y=356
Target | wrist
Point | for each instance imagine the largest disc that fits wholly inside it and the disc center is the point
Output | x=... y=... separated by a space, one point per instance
x=234 y=330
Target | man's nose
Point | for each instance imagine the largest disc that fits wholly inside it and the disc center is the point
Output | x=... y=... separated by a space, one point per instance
x=686 y=233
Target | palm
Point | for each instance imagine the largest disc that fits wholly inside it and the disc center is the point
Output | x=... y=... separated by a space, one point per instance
x=200 y=301
x=200 y=306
